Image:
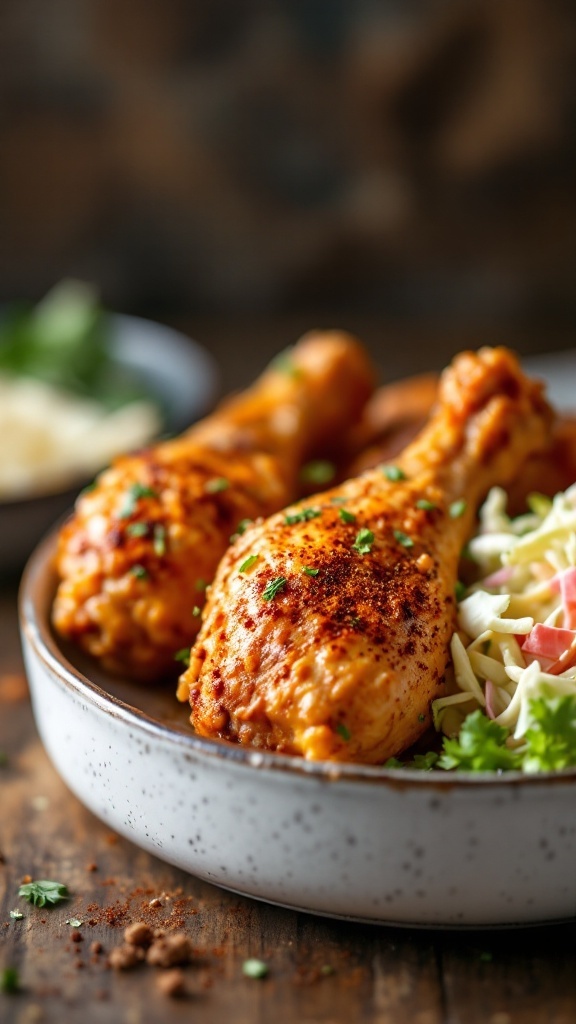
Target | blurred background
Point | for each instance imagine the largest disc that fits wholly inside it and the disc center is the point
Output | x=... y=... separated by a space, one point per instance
x=247 y=169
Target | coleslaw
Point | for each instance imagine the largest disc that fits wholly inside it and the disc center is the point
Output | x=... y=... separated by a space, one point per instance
x=512 y=695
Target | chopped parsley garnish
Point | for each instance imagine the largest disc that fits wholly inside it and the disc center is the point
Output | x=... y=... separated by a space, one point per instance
x=201 y=585
x=355 y=621
x=196 y=611
x=135 y=492
x=183 y=655
x=248 y=563
x=284 y=363
x=403 y=539
x=457 y=508
x=139 y=572
x=421 y=762
x=88 y=488
x=421 y=718
x=479 y=747
x=274 y=587
x=254 y=968
x=426 y=505
x=320 y=471
x=74 y=922
x=309 y=571
x=338 y=499
x=43 y=891
x=364 y=541
x=16 y=915
x=9 y=980
x=159 y=542
x=393 y=473
x=137 y=529
x=346 y=517
x=240 y=529
x=460 y=590
x=303 y=516
x=218 y=484
x=343 y=731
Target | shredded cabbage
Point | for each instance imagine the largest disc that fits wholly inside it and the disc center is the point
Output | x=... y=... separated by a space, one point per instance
x=506 y=667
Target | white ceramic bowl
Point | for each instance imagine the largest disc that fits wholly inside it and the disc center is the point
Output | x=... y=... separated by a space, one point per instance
x=176 y=371
x=386 y=846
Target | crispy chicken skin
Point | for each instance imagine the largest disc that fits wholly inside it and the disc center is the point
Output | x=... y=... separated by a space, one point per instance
x=135 y=557
x=335 y=639
x=396 y=413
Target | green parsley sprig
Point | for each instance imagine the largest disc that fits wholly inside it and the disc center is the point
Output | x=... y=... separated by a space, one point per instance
x=43 y=892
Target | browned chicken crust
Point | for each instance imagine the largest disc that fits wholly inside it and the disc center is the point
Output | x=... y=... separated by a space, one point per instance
x=327 y=628
x=396 y=413
x=135 y=558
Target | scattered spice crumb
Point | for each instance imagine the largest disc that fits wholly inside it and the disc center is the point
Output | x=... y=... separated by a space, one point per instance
x=92 y=866
x=123 y=958
x=96 y=948
x=172 y=983
x=138 y=934
x=170 y=951
x=155 y=902
x=77 y=936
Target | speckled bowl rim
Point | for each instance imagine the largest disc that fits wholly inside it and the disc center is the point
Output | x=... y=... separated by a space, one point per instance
x=35 y=596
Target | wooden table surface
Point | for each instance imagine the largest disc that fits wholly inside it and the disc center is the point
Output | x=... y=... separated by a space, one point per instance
x=319 y=970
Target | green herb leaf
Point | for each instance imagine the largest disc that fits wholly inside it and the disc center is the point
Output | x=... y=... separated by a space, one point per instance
x=218 y=484
x=460 y=590
x=346 y=517
x=393 y=473
x=183 y=655
x=309 y=571
x=16 y=915
x=159 y=543
x=457 y=508
x=274 y=587
x=403 y=539
x=135 y=492
x=424 y=762
x=196 y=611
x=343 y=731
x=43 y=891
x=137 y=529
x=240 y=529
x=393 y=762
x=364 y=541
x=319 y=472
x=201 y=585
x=284 y=363
x=74 y=922
x=254 y=968
x=248 y=563
x=551 y=737
x=140 y=572
x=9 y=980
x=426 y=505
x=480 y=746
x=303 y=516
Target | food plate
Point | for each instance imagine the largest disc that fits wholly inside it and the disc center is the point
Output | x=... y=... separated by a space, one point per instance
x=388 y=846
x=177 y=371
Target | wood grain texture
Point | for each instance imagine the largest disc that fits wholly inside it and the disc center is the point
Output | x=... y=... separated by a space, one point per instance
x=320 y=971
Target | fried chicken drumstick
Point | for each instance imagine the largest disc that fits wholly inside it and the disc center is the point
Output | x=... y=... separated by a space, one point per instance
x=326 y=632
x=135 y=557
